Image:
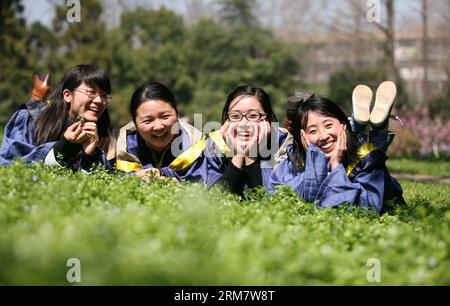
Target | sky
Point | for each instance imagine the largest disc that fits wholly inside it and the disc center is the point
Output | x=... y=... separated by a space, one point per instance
x=42 y=10
x=38 y=10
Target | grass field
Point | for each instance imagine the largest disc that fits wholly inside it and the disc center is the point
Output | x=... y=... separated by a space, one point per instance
x=124 y=231
x=439 y=168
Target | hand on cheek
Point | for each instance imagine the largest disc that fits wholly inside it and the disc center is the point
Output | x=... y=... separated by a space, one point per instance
x=304 y=138
x=250 y=145
x=229 y=133
x=338 y=153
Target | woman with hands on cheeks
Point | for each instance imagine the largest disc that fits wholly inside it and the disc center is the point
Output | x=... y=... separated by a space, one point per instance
x=71 y=129
x=243 y=152
x=328 y=165
x=246 y=130
x=333 y=143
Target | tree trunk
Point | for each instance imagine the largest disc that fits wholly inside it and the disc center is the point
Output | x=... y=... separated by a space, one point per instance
x=425 y=98
x=390 y=42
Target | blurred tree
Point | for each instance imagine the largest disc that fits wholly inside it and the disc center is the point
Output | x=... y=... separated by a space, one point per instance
x=84 y=42
x=387 y=29
x=40 y=45
x=425 y=64
x=239 y=12
x=439 y=105
x=221 y=59
x=196 y=10
x=147 y=46
x=15 y=78
x=201 y=63
x=342 y=83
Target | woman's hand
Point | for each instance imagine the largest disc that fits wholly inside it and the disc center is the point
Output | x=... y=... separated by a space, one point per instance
x=91 y=140
x=338 y=153
x=148 y=174
x=229 y=133
x=75 y=134
x=246 y=151
x=258 y=141
x=305 y=141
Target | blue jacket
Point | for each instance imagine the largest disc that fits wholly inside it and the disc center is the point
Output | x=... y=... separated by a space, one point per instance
x=19 y=141
x=366 y=182
x=133 y=153
x=206 y=161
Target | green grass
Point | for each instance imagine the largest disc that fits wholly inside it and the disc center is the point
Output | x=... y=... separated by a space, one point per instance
x=416 y=166
x=127 y=232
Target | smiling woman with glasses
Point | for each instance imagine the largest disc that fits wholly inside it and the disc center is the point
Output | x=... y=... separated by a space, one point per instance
x=71 y=129
x=242 y=154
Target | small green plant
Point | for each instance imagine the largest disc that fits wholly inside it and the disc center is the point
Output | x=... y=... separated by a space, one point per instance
x=80 y=118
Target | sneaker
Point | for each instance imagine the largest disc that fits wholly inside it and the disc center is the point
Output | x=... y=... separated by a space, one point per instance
x=385 y=97
x=361 y=98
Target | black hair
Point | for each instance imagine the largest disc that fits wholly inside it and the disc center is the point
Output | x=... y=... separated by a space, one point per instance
x=52 y=122
x=247 y=91
x=151 y=91
x=325 y=107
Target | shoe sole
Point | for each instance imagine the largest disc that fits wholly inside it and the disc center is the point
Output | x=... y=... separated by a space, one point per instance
x=361 y=98
x=385 y=97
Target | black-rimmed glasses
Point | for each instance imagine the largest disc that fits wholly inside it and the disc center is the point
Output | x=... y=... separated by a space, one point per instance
x=250 y=116
x=91 y=94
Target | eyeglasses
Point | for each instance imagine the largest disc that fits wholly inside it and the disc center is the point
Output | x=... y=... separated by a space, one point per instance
x=250 y=116
x=91 y=94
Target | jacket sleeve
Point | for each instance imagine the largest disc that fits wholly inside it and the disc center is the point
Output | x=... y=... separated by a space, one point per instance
x=18 y=140
x=307 y=183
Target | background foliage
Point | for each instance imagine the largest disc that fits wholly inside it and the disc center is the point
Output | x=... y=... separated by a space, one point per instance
x=201 y=63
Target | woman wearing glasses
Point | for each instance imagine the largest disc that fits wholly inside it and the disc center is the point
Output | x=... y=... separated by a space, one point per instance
x=71 y=129
x=242 y=154
x=155 y=136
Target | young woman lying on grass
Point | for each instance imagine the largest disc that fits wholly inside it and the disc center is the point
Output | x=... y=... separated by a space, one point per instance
x=242 y=154
x=330 y=165
x=71 y=129
x=155 y=137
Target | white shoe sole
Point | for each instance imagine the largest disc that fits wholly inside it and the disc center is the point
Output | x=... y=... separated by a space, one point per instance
x=361 y=98
x=385 y=97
